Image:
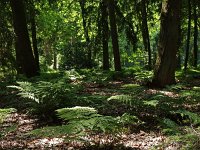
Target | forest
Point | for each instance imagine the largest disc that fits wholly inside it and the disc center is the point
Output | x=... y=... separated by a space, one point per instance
x=100 y=74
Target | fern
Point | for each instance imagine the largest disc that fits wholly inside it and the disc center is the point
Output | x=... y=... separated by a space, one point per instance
x=189 y=117
x=47 y=96
x=26 y=90
x=125 y=99
x=84 y=120
x=170 y=127
x=121 y=98
x=77 y=113
x=5 y=112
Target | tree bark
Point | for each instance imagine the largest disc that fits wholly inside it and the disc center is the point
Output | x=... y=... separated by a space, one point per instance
x=18 y=58
x=145 y=32
x=34 y=36
x=164 y=73
x=105 y=29
x=85 y=28
x=195 y=51
x=22 y=39
x=114 y=35
x=188 y=37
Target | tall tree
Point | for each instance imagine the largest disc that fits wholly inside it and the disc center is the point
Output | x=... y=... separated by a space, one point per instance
x=34 y=35
x=188 y=36
x=195 y=49
x=164 y=73
x=23 y=43
x=145 y=31
x=105 y=28
x=86 y=32
x=114 y=35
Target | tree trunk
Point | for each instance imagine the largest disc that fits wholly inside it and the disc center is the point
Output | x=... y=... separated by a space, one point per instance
x=18 y=58
x=145 y=31
x=164 y=73
x=195 y=52
x=34 y=37
x=55 y=60
x=85 y=28
x=114 y=35
x=105 y=29
x=22 y=39
x=188 y=37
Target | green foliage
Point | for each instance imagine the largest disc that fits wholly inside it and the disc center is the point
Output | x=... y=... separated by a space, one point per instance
x=131 y=86
x=4 y=113
x=144 y=76
x=121 y=98
x=47 y=96
x=187 y=136
x=189 y=117
x=128 y=119
x=153 y=103
x=7 y=130
x=77 y=113
x=170 y=127
x=176 y=87
x=84 y=120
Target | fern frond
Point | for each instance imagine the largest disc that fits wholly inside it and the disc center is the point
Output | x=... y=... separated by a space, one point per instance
x=121 y=98
x=193 y=117
x=77 y=113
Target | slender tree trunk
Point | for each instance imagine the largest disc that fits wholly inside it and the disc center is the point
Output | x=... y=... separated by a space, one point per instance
x=34 y=36
x=195 y=52
x=105 y=29
x=55 y=60
x=114 y=35
x=145 y=32
x=188 y=37
x=85 y=27
x=22 y=39
x=164 y=73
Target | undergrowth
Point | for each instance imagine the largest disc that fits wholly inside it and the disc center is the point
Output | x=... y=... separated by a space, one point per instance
x=173 y=111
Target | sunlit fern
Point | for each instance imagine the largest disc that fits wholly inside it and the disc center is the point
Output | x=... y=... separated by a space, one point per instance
x=125 y=99
x=84 y=120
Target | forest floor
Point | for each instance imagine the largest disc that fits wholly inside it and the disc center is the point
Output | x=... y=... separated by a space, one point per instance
x=149 y=105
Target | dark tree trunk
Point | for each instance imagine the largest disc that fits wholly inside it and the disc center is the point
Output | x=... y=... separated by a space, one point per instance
x=145 y=31
x=195 y=52
x=85 y=28
x=34 y=36
x=105 y=29
x=22 y=39
x=188 y=37
x=114 y=35
x=18 y=58
x=164 y=73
